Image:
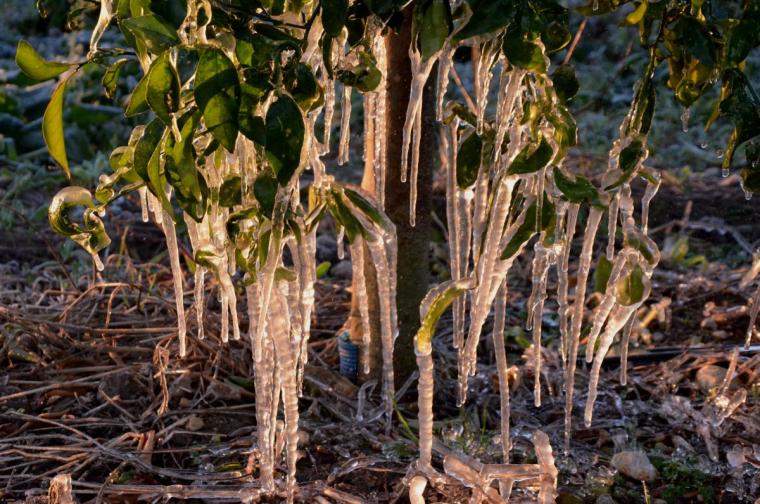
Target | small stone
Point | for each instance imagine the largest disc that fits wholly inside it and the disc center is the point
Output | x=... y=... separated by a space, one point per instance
x=710 y=377
x=635 y=464
x=605 y=499
x=194 y=423
x=342 y=270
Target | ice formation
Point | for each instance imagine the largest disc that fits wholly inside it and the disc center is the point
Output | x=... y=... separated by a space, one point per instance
x=507 y=191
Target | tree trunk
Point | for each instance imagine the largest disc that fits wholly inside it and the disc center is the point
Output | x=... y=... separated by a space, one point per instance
x=413 y=273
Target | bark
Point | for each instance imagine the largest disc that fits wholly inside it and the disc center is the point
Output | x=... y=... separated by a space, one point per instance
x=413 y=272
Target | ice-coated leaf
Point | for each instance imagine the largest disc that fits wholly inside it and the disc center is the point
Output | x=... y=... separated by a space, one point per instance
x=152 y=31
x=696 y=40
x=532 y=158
x=334 y=15
x=111 y=77
x=284 y=137
x=34 y=66
x=523 y=53
x=217 y=94
x=90 y=234
x=364 y=205
x=363 y=76
x=468 y=160
x=631 y=289
x=149 y=140
x=162 y=93
x=434 y=304
x=529 y=227
x=52 y=127
x=580 y=190
x=602 y=274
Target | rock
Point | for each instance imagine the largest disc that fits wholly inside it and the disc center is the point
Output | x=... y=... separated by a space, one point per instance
x=634 y=464
x=342 y=270
x=327 y=249
x=710 y=377
x=605 y=499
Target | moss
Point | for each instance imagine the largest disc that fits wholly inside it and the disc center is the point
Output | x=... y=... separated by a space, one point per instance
x=681 y=479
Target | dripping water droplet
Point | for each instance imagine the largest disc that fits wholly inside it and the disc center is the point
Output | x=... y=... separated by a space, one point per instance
x=719 y=153
x=725 y=172
x=595 y=7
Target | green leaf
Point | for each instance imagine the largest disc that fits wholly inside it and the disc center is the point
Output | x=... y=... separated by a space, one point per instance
x=284 y=137
x=152 y=31
x=487 y=16
x=217 y=94
x=632 y=288
x=565 y=83
x=230 y=193
x=364 y=205
x=90 y=234
x=265 y=191
x=52 y=127
x=628 y=161
x=334 y=15
x=111 y=77
x=138 y=100
x=529 y=227
x=323 y=268
x=163 y=88
x=531 y=158
x=436 y=302
x=468 y=160
x=145 y=146
x=34 y=66
x=523 y=53
x=697 y=40
x=580 y=190
x=344 y=217
x=190 y=187
x=602 y=274
x=363 y=76
x=434 y=27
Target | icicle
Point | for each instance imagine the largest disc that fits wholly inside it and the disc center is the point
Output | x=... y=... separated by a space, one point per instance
x=612 y=217
x=200 y=274
x=345 y=126
x=380 y=119
x=387 y=299
x=500 y=315
x=649 y=193
x=488 y=277
x=97 y=262
x=416 y=489
x=618 y=318
x=542 y=261
x=329 y=111
x=144 y=209
x=267 y=273
x=595 y=216
x=357 y=273
x=620 y=267
x=685 y=115
x=179 y=297
x=445 y=62
x=420 y=72
x=488 y=54
x=340 y=242
x=753 y=312
x=624 y=349
x=104 y=19
x=548 y=480
x=562 y=280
